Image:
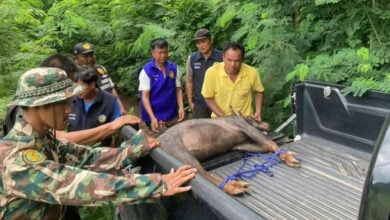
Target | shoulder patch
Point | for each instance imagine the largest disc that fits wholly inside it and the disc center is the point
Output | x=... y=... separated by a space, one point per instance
x=102 y=118
x=33 y=157
x=171 y=74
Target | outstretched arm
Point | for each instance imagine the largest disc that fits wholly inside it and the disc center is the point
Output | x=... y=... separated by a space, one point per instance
x=97 y=134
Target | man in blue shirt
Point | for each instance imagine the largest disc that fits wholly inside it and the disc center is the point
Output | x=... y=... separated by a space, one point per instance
x=93 y=107
x=161 y=94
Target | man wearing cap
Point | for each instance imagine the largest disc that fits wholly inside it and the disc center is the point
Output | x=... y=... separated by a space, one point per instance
x=197 y=64
x=230 y=85
x=160 y=88
x=85 y=56
x=41 y=175
x=54 y=60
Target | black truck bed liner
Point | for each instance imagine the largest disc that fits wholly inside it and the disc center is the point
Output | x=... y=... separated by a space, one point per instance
x=338 y=135
x=327 y=186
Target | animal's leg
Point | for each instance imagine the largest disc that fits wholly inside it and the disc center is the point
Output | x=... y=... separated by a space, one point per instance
x=178 y=151
x=251 y=147
x=257 y=137
x=288 y=157
x=235 y=187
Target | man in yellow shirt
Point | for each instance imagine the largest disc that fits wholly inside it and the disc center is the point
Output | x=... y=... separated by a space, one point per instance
x=229 y=85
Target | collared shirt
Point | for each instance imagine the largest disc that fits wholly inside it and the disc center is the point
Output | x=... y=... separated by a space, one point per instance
x=103 y=109
x=38 y=178
x=227 y=93
x=197 y=65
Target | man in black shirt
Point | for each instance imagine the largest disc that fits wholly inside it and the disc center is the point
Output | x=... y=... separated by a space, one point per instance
x=197 y=64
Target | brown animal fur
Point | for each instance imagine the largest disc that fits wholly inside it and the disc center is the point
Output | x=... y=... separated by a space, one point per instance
x=196 y=140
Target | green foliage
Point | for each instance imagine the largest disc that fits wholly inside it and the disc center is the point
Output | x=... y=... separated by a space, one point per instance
x=322 y=2
x=101 y=213
x=344 y=42
x=3 y=109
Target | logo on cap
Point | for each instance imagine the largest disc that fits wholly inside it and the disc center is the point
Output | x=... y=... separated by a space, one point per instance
x=87 y=46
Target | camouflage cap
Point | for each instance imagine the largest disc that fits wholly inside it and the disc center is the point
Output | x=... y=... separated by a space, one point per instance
x=44 y=85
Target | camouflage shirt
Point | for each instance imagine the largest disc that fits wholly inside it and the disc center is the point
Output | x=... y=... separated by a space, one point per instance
x=39 y=178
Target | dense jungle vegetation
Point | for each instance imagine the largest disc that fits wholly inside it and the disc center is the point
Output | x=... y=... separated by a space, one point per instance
x=337 y=41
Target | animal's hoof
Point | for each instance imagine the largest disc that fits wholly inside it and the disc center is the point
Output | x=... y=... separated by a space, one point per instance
x=289 y=159
x=236 y=187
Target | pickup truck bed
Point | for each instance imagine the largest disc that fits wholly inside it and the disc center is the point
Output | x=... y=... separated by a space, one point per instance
x=327 y=186
x=343 y=143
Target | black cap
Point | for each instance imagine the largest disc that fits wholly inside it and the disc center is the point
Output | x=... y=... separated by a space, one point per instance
x=202 y=34
x=83 y=48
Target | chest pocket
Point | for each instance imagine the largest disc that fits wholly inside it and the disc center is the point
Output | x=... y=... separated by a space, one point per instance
x=242 y=90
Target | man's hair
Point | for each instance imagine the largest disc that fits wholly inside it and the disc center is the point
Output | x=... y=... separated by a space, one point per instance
x=62 y=62
x=87 y=75
x=158 y=43
x=235 y=46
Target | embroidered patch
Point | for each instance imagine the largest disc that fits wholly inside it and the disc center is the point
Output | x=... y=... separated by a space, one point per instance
x=102 y=119
x=171 y=74
x=100 y=70
x=87 y=46
x=33 y=157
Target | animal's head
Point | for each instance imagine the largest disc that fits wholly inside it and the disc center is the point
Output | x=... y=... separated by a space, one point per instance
x=261 y=125
x=149 y=131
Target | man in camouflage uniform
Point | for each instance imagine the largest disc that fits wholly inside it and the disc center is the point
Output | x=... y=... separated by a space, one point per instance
x=41 y=175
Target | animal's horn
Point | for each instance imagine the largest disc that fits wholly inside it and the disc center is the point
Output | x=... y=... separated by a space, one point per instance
x=235 y=112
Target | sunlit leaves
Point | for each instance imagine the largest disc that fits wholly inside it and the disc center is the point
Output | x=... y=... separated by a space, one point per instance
x=360 y=86
x=150 y=31
x=227 y=17
x=322 y=2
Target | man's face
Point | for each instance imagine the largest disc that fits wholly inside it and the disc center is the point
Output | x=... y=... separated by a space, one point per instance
x=55 y=115
x=233 y=60
x=87 y=91
x=204 y=46
x=160 y=55
x=87 y=59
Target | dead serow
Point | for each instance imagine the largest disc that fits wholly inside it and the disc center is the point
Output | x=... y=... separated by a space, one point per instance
x=196 y=140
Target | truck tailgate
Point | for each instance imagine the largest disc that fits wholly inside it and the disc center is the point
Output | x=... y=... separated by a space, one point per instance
x=327 y=186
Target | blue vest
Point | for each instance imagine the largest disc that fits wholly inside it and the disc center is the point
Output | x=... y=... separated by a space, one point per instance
x=100 y=112
x=199 y=65
x=162 y=91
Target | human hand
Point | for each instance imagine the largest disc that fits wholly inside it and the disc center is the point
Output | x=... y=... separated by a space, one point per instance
x=154 y=124
x=257 y=116
x=124 y=120
x=175 y=179
x=192 y=106
x=181 y=114
x=152 y=142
